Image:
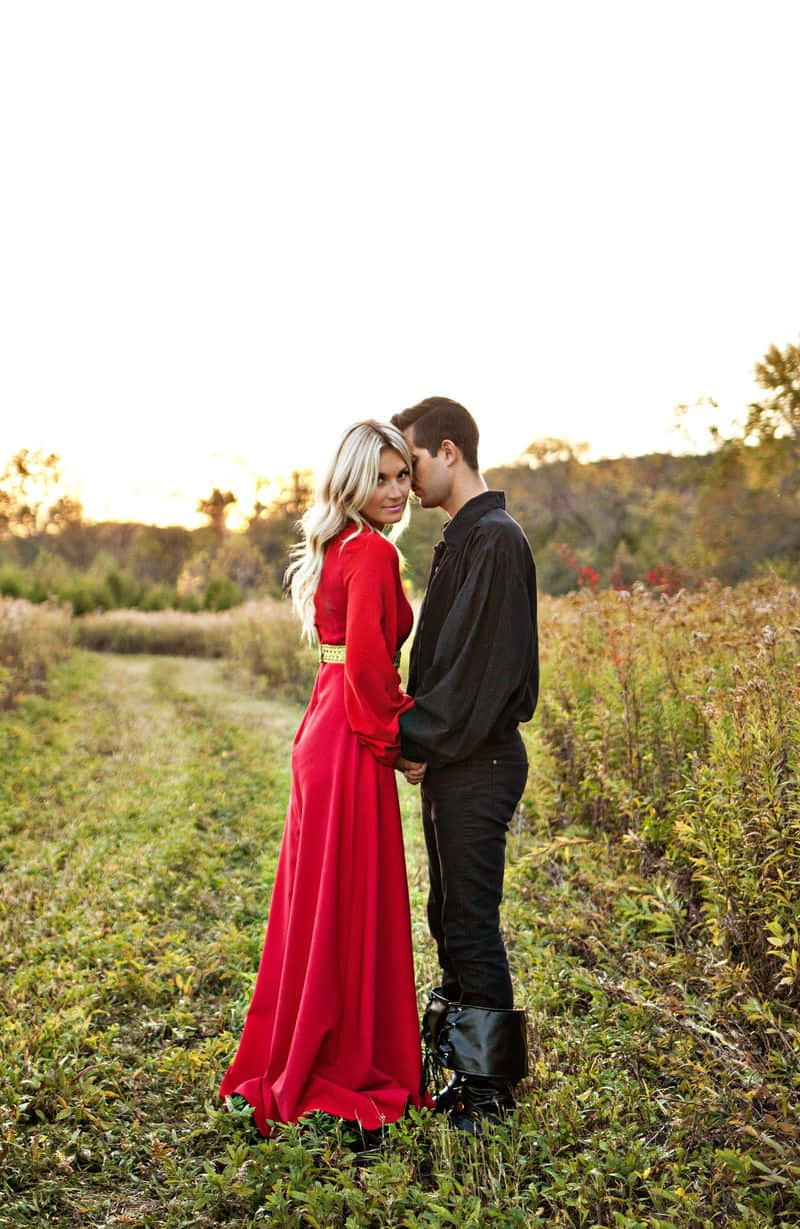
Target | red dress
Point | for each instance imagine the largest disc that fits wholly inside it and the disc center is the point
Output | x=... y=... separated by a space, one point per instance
x=332 y=1025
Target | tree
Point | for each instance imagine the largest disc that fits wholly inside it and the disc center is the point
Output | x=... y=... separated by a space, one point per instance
x=273 y=526
x=292 y=500
x=216 y=507
x=548 y=450
x=778 y=415
x=31 y=501
x=696 y=423
x=558 y=465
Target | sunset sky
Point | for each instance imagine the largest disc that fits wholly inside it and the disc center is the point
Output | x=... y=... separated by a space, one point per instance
x=230 y=229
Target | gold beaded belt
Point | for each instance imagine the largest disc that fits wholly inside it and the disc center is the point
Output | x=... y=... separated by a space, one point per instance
x=335 y=653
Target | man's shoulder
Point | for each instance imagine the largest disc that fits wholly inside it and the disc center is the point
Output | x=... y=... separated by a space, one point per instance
x=497 y=529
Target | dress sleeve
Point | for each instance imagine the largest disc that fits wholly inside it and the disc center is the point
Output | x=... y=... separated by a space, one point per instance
x=373 y=697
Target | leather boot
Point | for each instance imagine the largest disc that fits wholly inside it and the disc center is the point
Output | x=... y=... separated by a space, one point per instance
x=445 y=1092
x=481 y=1100
x=487 y=1048
x=449 y=1095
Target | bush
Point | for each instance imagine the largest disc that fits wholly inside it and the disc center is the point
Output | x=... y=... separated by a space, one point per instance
x=102 y=587
x=12 y=581
x=221 y=593
x=121 y=589
x=159 y=597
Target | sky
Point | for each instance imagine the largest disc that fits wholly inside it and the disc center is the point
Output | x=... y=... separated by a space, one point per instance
x=232 y=229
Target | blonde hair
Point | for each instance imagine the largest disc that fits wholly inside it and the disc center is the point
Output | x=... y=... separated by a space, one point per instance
x=351 y=478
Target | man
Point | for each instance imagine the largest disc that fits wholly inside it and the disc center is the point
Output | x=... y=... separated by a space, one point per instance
x=474 y=677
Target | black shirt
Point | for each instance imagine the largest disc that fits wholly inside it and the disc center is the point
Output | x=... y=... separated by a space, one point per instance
x=474 y=671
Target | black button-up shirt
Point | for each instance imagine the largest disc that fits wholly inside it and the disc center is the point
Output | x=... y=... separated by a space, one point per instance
x=474 y=671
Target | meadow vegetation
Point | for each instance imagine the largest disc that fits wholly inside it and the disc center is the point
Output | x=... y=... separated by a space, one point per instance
x=672 y=726
x=651 y=918
x=32 y=639
x=260 y=638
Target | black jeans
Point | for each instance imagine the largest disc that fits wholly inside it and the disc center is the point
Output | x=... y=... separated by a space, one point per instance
x=466 y=810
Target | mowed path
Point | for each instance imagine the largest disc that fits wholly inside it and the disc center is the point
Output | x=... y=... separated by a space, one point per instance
x=142 y=808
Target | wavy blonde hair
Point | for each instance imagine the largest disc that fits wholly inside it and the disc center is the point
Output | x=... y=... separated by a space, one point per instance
x=351 y=478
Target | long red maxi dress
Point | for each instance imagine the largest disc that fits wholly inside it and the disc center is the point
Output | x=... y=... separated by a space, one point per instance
x=332 y=1025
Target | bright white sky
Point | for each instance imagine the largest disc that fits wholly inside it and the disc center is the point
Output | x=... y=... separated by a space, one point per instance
x=230 y=229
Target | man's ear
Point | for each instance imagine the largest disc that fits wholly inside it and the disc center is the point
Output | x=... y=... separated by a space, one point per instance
x=449 y=452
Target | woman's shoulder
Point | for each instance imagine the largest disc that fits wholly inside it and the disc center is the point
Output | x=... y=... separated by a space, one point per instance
x=368 y=547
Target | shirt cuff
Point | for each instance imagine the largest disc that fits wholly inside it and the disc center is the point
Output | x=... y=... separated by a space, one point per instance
x=410 y=749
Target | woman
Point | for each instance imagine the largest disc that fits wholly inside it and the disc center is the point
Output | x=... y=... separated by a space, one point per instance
x=332 y=1025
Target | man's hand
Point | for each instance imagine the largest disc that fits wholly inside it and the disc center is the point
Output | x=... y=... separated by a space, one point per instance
x=412 y=771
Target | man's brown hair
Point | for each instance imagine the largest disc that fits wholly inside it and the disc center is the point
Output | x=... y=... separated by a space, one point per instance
x=438 y=418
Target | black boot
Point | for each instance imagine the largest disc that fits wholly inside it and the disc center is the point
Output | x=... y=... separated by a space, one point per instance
x=481 y=1100
x=444 y=1091
x=487 y=1048
x=448 y=1096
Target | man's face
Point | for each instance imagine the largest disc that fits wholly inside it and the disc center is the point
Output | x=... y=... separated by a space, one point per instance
x=433 y=480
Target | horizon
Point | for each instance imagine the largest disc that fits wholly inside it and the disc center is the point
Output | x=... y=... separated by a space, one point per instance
x=237 y=519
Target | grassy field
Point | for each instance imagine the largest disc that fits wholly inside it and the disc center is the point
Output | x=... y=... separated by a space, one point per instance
x=141 y=806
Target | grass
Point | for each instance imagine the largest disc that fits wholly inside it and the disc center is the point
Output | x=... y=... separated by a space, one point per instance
x=141 y=806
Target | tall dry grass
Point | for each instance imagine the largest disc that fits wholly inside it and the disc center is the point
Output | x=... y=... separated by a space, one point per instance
x=672 y=724
x=32 y=638
x=178 y=632
x=261 y=637
x=265 y=641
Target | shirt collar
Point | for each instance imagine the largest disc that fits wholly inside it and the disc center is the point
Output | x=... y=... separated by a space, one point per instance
x=456 y=531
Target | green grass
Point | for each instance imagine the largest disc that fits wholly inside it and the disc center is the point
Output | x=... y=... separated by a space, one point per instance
x=141 y=808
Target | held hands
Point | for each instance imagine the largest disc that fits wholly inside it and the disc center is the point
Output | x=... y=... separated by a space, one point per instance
x=412 y=771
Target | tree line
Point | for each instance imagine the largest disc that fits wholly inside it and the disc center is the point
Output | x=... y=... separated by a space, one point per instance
x=663 y=520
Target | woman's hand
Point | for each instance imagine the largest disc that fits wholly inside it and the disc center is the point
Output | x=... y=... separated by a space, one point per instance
x=411 y=770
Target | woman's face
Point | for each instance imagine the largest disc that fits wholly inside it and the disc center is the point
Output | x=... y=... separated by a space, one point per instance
x=387 y=503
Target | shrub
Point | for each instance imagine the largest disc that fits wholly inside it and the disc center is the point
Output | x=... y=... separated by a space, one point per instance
x=101 y=587
x=221 y=593
x=12 y=581
x=84 y=595
x=121 y=589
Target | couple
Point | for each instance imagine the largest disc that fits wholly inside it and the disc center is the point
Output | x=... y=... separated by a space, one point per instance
x=332 y=1025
